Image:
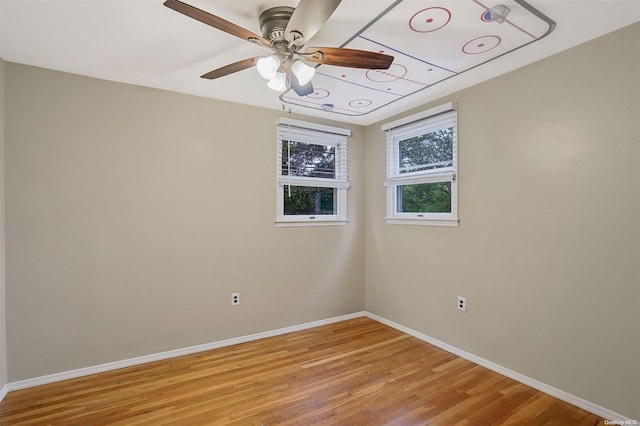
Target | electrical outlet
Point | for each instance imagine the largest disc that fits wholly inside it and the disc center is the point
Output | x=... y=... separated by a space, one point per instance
x=235 y=298
x=462 y=303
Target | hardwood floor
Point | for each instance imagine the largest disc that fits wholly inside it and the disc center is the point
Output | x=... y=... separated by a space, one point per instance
x=356 y=372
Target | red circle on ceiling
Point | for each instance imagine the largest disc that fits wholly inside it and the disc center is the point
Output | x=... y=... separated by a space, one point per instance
x=360 y=103
x=481 y=44
x=429 y=19
x=318 y=94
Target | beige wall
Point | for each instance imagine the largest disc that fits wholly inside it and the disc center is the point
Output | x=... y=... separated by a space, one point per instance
x=547 y=252
x=132 y=214
x=3 y=350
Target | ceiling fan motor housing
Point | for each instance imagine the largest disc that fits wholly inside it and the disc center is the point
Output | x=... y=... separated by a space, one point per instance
x=273 y=22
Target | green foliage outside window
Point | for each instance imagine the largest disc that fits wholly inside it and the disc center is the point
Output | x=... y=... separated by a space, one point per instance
x=425 y=198
x=426 y=152
x=430 y=151
x=309 y=200
x=309 y=160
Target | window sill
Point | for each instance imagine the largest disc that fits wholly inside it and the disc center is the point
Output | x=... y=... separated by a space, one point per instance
x=287 y=223
x=427 y=222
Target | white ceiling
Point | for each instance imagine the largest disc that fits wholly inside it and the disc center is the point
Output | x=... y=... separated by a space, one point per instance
x=144 y=43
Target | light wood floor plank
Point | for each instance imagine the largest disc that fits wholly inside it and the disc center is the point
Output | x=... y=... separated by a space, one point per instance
x=356 y=372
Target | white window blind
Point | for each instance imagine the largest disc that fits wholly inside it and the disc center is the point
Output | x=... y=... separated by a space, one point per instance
x=441 y=163
x=310 y=175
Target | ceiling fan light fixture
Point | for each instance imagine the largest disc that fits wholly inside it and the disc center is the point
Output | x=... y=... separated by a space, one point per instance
x=268 y=66
x=303 y=72
x=278 y=82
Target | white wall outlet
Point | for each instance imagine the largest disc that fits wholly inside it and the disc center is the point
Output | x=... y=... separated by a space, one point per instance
x=462 y=303
x=235 y=298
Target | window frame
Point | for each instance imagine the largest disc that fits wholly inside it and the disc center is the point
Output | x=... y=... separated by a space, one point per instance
x=425 y=122
x=313 y=133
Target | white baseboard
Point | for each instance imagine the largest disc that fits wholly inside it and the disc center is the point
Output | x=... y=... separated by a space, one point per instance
x=543 y=387
x=557 y=393
x=51 y=378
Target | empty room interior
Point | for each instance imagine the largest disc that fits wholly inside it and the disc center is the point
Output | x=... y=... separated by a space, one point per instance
x=154 y=220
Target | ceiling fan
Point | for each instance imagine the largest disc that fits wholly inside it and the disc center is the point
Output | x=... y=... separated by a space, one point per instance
x=285 y=31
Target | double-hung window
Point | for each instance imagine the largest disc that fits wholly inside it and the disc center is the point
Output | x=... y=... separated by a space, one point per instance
x=422 y=167
x=312 y=174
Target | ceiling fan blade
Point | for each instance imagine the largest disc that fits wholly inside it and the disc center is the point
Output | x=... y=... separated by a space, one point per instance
x=231 y=68
x=351 y=58
x=213 y=20
x=301 y=90
x=309 y=16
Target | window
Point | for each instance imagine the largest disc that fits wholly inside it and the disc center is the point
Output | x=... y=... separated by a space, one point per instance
x=422 y=168
x=312 y=174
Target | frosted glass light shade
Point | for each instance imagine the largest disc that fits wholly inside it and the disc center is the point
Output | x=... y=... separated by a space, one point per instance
x=278 y=82
x=267 y=67
x=303 y=72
